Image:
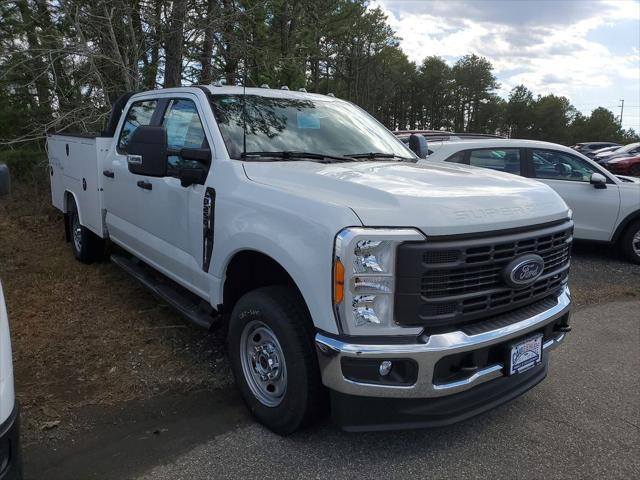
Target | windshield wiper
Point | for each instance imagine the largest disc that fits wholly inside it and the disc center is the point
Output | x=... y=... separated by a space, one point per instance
x=293 y=155
x=376 y=155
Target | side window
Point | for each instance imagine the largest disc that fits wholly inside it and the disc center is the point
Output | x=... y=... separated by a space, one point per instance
x=456 y=158
x=500 y=159
x=140 y=113
x=553 y=165
x=184 y=130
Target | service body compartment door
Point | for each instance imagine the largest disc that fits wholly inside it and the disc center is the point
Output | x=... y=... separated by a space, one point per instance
x=74 y=162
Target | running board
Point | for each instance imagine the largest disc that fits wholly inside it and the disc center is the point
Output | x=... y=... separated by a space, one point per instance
x=186 y=303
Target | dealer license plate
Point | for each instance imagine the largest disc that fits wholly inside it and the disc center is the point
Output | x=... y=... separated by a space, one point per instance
x=525 y=354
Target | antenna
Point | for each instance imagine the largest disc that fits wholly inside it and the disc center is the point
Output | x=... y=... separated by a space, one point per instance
x=244 y=113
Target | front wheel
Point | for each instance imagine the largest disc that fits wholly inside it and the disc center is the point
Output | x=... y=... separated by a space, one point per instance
x=274 y=361
x=630 y=242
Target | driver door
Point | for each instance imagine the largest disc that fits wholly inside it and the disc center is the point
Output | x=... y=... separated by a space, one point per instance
x=171 y=214
x=595 y=210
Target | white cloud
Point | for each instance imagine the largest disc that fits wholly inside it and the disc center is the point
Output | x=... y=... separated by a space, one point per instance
x=543 y=45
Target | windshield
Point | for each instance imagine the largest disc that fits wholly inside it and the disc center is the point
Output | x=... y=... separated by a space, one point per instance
x=302 y=125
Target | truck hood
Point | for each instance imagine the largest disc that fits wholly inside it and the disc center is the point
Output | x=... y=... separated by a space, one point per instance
x=439 y=199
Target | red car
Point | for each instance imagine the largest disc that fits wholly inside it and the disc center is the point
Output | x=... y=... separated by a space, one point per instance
x=625 y=166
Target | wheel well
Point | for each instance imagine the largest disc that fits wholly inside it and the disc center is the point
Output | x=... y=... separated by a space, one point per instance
x=68 y=198
x=625 y=224
x=249 y=270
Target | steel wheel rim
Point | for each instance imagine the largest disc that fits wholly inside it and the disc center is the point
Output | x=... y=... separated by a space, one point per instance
x=263 y=363
x=76 y=231
x=635 y=243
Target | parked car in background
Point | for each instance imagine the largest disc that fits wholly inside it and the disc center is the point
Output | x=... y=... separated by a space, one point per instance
x=605 y=208
x=592 y=153
x=624 y=165
x=338 y=265
x=586 y=147
x=10 y=460
x=440 y=135
x=625 y=151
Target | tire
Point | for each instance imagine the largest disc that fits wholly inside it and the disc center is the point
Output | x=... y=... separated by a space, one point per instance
x=635 y=171
x=272 y=325
x=630 y=242
x=87 y=246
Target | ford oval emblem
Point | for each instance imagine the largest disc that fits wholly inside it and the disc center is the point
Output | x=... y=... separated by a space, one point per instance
x=523 y=271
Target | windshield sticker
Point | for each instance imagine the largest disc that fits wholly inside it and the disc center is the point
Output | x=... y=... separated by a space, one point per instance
x=308 y=121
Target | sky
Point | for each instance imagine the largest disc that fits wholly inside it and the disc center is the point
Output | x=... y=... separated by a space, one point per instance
x=588 y=51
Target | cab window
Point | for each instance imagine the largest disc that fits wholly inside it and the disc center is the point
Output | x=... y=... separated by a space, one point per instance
x=184 y=130
x=554 y=165
x=500 y=159
x=140 y=113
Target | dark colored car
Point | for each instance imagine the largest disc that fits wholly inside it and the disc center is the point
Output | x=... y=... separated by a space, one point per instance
x=586 y=147
x=592 y=153
x=625 y=166
x=630 y=150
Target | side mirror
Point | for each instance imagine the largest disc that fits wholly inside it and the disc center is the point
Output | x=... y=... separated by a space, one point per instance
x=202 y=155
x=192 y=176
x=598 y=180
x=418 y=145
x=5 y=180
x=147 y=151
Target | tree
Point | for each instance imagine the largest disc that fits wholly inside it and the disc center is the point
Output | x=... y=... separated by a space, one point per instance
x=519 y=112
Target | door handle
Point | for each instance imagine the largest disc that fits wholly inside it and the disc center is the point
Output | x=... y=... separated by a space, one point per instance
x=144 y=184
x=108 y=173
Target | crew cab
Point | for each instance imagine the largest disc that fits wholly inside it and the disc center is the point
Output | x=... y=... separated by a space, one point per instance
x=343 y=271
x=605 y=207
x=10 y=458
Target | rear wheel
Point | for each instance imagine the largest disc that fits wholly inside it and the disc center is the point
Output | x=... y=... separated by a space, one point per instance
x=274 y=361
x=86 y=245
x=630 y=242
x=635 y=171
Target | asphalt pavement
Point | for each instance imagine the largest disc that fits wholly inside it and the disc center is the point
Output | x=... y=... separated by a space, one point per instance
x=581 y=422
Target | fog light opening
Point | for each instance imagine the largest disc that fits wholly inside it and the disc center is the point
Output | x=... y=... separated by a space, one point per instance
x=385 y=367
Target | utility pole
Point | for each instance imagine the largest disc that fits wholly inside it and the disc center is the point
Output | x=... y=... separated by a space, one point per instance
x=621 y=109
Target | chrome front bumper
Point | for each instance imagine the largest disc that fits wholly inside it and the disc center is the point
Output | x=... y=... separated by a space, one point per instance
x=331 y=351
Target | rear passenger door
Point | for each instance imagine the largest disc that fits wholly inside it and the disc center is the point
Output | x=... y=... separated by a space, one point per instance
x=120 y=191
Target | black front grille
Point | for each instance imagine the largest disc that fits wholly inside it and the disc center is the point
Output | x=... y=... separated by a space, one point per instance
x=457 y=281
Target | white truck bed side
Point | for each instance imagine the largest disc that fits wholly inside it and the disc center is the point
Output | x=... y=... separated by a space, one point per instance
x=75 y=166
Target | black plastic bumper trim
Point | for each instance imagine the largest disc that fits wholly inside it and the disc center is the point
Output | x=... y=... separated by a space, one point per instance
x=363 y=414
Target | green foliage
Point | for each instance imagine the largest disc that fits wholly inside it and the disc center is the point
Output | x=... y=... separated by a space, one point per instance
x=63 y=63
x=26 y=165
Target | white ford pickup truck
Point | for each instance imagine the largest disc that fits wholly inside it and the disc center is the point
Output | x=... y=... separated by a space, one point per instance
x=408 y=295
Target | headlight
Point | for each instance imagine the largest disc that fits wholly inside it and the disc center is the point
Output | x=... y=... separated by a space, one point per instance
x=364 y=279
